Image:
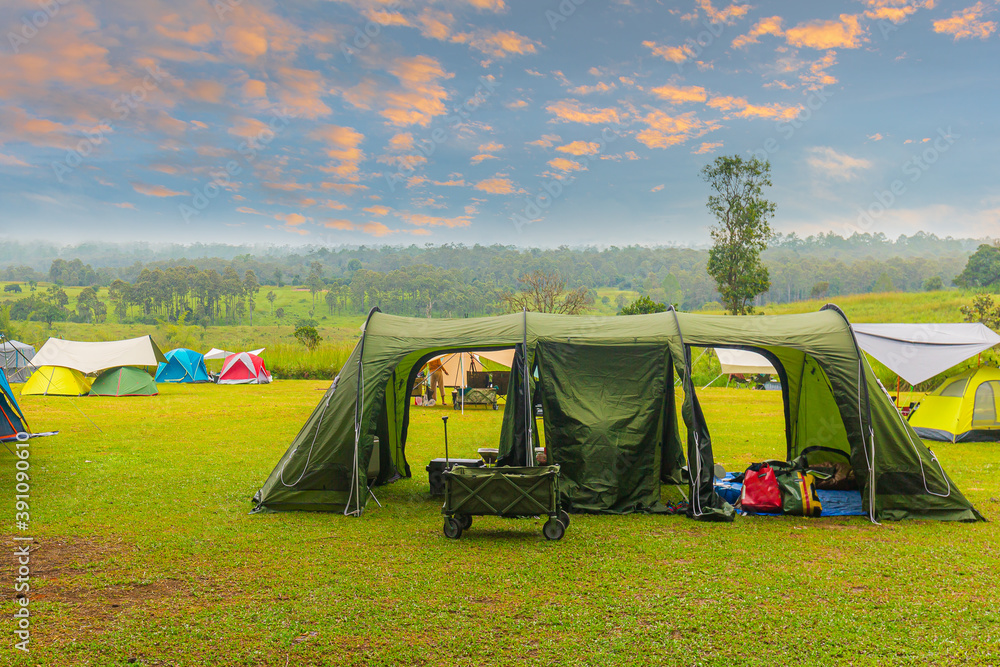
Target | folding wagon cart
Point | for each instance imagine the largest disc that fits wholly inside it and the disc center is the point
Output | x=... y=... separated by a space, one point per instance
x=508 y=491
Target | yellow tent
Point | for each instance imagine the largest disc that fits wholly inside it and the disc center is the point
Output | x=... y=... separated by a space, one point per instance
x=965 y=408
x=56 y=381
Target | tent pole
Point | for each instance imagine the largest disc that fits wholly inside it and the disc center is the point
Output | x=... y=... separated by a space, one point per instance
x=716 y=378
x=897 y=391
x=529 y=418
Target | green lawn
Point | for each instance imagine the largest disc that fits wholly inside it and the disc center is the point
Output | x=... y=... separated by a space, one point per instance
x=145 y=550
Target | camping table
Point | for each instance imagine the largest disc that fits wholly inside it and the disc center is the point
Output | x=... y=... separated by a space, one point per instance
x=506 y=491
x=475 y=396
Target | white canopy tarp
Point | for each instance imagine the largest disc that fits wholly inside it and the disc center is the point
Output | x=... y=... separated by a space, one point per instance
x=743 y=362
x=470 y=361
x=918 y=352
x=94 y=357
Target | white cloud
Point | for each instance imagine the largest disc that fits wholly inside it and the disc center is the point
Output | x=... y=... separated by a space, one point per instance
x=838 y=166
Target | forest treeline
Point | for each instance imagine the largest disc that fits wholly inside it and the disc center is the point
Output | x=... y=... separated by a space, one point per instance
x=456 y=280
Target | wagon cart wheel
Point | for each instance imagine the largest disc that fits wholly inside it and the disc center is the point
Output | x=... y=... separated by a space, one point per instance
x=464 y=520
x=452 y=528
x=553 y=529
x=496 y=406
x=564 y=517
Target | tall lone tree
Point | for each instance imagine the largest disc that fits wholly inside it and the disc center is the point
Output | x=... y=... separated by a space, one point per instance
x=743 y=231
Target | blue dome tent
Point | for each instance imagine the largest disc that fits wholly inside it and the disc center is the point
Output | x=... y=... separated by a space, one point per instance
x=183 y=365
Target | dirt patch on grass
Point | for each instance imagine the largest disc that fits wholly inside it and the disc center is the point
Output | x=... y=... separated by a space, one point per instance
x=67 y=572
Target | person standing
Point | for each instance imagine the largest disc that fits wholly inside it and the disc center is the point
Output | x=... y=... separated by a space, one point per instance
x=435 y=374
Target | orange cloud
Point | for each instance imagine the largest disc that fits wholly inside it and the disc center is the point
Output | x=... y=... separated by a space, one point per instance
x=292 y=219
x=580 y=148
x=726 y=15
x=569 y=111
x=680 y=94
x=378 y=210
x=674 y=54
x=967 y=23
x=562 y=164
x=476 y=159
x=342 y=225
x=707 y=147
x=744 y=109
x=401 y=142
x=492 y=5
x=155 y=190
x=435 y=24
x=424 y=220
x=664 y=131
x=896 y=11
x=499 y=44
x=384 y=17
x=596 y=88
x=253 y=88
x=496 y=186
x=657 y=188
x=546 y=141
x=421 y=97
x=491 y=147
x=845 y=33
x=172 y=27
x=342 y=145
x=301 y=91
x=343 y=188
x=456 y=182
x=768 y=26
x=206 y=91
x=125 y=204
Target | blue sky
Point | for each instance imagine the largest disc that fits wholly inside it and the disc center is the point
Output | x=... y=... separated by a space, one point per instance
x=491 y=121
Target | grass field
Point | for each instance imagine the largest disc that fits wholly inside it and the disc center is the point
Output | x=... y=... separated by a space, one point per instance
x=145 y=552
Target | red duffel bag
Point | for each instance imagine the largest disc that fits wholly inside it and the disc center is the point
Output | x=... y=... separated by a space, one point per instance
x=760 y=490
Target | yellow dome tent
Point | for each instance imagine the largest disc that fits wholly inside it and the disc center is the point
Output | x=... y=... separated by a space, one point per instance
x=56 y=381
x=964 y=408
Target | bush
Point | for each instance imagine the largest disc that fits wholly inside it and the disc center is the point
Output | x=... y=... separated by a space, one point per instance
x=308 y=336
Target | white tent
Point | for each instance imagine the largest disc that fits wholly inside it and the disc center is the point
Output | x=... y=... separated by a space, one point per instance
x=94 y=357
x=216 y=353
x=15 y=359
x=918 y=352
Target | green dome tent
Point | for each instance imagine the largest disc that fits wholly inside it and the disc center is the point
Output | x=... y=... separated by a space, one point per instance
x=124 y=381
x=607 y=387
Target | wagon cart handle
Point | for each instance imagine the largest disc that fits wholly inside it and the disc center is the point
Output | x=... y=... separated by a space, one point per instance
x=445 y=420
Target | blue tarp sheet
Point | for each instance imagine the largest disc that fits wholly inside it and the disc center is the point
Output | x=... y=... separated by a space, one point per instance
x=835 y=503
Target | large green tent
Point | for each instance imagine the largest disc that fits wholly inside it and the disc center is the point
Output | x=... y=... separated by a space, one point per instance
x=124 y=381
x=607 y=387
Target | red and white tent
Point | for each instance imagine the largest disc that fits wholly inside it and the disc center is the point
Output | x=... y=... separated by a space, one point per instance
x=244 y=368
